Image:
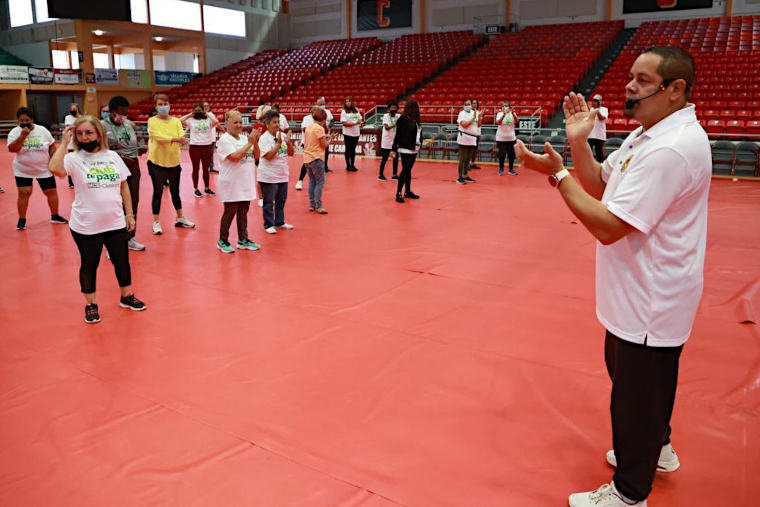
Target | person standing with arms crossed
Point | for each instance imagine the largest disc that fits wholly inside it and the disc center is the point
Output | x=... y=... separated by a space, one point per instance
x=647 y=207
x=315 y=142
x=598 y=134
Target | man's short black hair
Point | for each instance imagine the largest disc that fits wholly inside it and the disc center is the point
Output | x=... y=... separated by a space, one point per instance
x=676 y=64
x=117 y=102
x=26 y=111
x=392 y=103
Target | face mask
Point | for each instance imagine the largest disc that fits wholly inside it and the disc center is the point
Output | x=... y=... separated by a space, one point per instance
x=199 y=116
x=74 y=112
x=393 y=112
x=163 y=109
x=90 y=146
x=105 y=114
x=322 y=108
x=467 y=109
x=506 y=109
x=25 y=125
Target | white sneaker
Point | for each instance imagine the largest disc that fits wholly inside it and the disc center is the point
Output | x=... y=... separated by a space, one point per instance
x=606 y=496
x=261 y=203
x=134 y=245
x=299 y=185
x=668 y=461
x=287 y=227
x=271 y=230
x=184 y=222
x=157 y=228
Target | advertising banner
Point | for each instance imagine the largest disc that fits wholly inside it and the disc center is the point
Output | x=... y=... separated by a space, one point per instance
x=107 y=77
x=635 y=6
x=14 y=74
x=65 y=76
x=40 y=75
x=383 y=14
x=171 y=78
x=134 y=78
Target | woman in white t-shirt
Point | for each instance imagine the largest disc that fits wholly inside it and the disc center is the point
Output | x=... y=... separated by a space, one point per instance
x=352 y=121
x=237 y=181
x=506 y=119
x=202 y=137
x=467 y=140
x=387 y=140
x=101 y=196
x=33 y=146
x=273 y=172
x=74 y=113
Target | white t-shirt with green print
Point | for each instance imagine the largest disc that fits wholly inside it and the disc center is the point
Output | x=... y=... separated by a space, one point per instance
x=201 y=133
x=32 y=161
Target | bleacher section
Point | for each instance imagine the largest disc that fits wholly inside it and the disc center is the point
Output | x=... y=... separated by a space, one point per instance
x=7 y=58
x=535 y=67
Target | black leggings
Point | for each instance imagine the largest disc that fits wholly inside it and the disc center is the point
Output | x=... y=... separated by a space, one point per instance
x=598 y=146
x=91 y=247
x=506 y=149
x=386 y=154
x=159 y=175
x=405 y=178
x=351 y=143
x=303 y=172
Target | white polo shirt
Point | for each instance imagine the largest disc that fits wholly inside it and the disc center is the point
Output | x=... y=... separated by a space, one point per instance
x=600 y=126
x=648 y=284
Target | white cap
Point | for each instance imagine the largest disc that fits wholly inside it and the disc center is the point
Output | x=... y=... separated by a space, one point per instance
x=597 y=97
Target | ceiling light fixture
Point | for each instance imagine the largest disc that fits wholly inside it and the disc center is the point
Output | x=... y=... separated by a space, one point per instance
x=98 y=32
x=158 y=39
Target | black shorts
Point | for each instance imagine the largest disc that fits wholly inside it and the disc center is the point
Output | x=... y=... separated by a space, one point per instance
x=45 y=183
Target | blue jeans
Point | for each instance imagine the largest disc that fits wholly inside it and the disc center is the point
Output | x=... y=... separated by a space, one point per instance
x=275 y=195
x=316 y=169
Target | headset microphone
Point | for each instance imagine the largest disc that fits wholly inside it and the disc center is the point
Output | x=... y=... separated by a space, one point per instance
x=632 y=102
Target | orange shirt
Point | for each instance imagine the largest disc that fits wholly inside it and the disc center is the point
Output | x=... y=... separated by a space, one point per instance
x=312 y=147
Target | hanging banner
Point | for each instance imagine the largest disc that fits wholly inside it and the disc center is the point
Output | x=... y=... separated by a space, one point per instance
x=634 y=6
x=107 y=77
x=134 y=78
x=40 y=75
x=383 y=14
x=65 y=76
x=171 y=78
x=14 y=74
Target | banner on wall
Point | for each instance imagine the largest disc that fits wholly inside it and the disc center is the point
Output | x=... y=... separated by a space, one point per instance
x=170 y=78
x=65 y=76
x=637 y=6
x=134 y=78
x=107 y=77
x=14 y=74
x=40 y=75
x=383 y=14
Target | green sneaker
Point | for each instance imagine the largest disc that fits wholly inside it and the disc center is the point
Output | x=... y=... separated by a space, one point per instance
x=225 y=247
x=247 y=244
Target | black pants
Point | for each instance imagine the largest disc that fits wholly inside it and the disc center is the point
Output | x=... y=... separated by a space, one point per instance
x=232 y=210
x=91 y=247
x=274 y=195
x=71 y=182
x=405 y=178
x=327 y=156
x=133 y=181
x=386 y=154
x=598 y=146
x=351 y=143
x=160 y=174
x=643 y=393
x=506 y=150
x=303 y=173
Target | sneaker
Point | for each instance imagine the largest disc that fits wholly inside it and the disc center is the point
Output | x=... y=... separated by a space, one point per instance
x=328 y=170
x=287 y=227
x=71 y=185
x=166 y=184
x=197 y=193
x=210 y=192
x=399 y=198
x=351 y=169
x=322 y=211
x=382 y=178
x=132 y=303
x=512 y=172
x=224 y=246
x=157 y=228
x=473 y=166
x=271 y=230
x=91 y=315
x=394 y=177
x=184 y=222
x=2 y=191
x=461 y=181
x=411 y=195
x=58 y=219
x=213 y=171
x=501 y=172
x=21 y=225
x=668 y=461
x=247 y=244
x=133 y=244
x=299 y=185
x=312 y=208
x=261 y=203
x=606 y=496
x=469 y=180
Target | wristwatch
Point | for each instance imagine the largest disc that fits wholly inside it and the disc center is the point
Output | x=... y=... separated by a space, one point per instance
x=555 y=178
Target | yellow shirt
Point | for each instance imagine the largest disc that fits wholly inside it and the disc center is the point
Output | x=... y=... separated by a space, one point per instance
x=312 y=148
x=164 y=154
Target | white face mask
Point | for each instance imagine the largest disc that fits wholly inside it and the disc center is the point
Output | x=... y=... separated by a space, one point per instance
x=467 y=109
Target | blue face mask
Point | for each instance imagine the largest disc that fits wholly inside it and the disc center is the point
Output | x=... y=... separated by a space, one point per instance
x=163 y=109
x=467 y=109
x=105 y=115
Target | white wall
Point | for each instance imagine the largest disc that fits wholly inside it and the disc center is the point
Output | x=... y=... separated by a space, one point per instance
x=312 y=20
x=36 y=54
x=552 y=12
x=451 y=15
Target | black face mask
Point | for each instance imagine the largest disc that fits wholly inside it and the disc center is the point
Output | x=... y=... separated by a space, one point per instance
x=74 y=112
x=392 y=112
x=90 y=146
x=25 y=125
x=199 y=116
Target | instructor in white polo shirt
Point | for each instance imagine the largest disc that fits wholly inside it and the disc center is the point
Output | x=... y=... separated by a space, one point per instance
x=647 y=206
